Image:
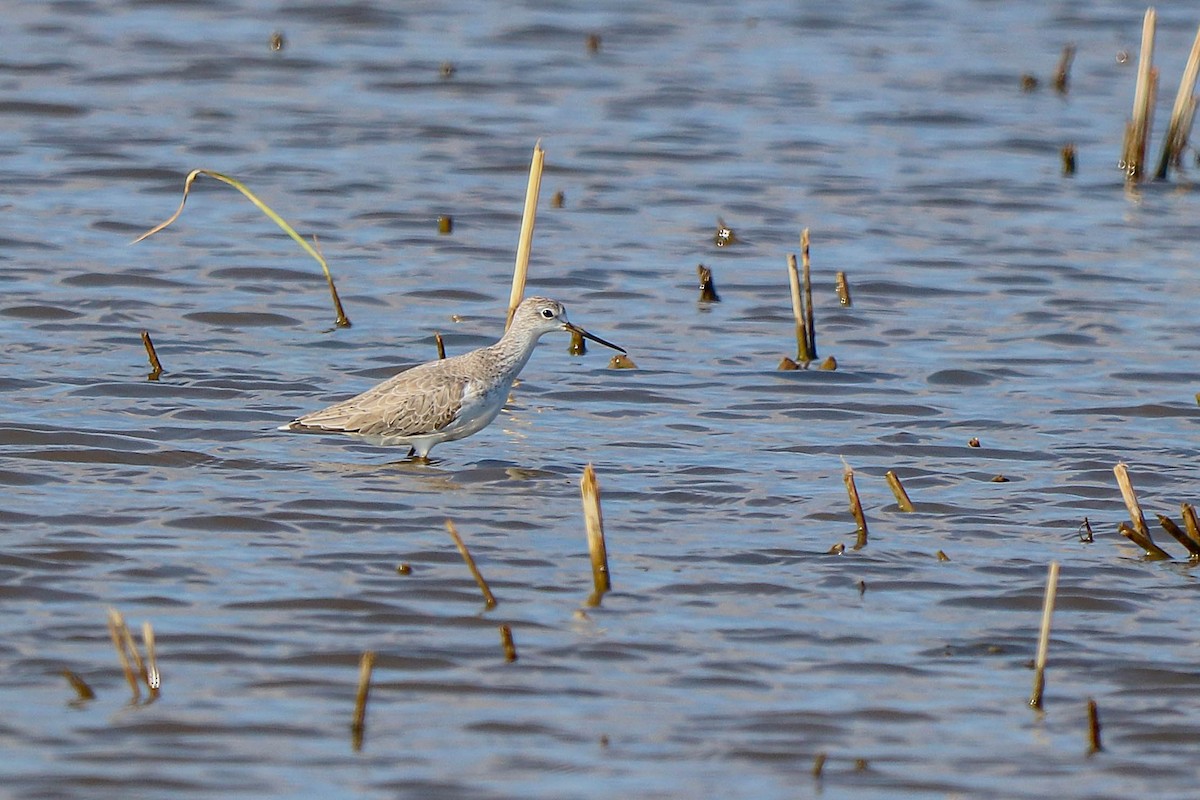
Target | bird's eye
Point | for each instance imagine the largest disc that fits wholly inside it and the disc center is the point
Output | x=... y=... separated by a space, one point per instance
x=548 y=313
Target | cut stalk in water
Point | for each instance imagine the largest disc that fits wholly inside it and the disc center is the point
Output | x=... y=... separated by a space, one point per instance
x=855 y=506
x=488 y=598
x=153 y=678
x=1068 y=159
x=708 y=292
x=117 y=631
x=1062 y=75
x=898 y=490
x=1142 y=540
x=156 y=369
x=1043 y=648
x=506 y=642
x=525 y=242
x=843 y=289
x=1191 y=526
x=341 y=320
x=1093 y=715
x=803 y=357
x=810 y=325
x=1182 y=114
x=589 y=489
x=1178 y=535
x=1121 y=471
x=441 y=345
x=1133 y=155
x=358 y=724
x=82 y=690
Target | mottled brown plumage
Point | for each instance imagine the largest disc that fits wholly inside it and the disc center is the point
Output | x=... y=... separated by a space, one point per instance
x=440 y=401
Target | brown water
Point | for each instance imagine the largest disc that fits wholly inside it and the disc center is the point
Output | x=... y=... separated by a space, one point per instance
x=1053 y=318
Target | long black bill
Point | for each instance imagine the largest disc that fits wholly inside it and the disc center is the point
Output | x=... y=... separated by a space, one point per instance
x=576 y=329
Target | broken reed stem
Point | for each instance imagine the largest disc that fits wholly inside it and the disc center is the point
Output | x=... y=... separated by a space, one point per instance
x=810 y=326
x=117 y=631
x=488 y=598
x=153 y=678
x=1093 y=716
x=1178 y=535
x=358 y=725
x=82 y=690
x=708 y=292
x=843 y=289
x=441 y=346
x=506 y=642
x=802 y=354
x=340 y=320
x=525 y=242
x=1121 y=471
x=1062 y=75
x=1133 y=156
x=589 y=489
x=1142 y=540
x=855 y=506
x=898 y=490
x=1181 y=114
x=1190 y=524
x=155 y=365
x=1043 y=648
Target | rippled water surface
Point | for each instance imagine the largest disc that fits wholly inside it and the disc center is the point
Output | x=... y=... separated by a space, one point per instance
x=1052 y=318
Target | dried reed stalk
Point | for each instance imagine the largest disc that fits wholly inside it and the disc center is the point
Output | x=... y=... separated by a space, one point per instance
x=506 y=642
x=1178 y=535
x=358 y=724
x=119 y=633
x=810 y=326
x=1062 y=75
x=1043 y=648
x=1121 y=471
x=155 y=365
x=855 y=506
x=1142 y=540
x=843 y=289
x=525 y=242
x=802 y=354
x=898 y=490
x=577 y=347
x=153 y=677
x=1133 y=155
x=488 y=598
x=708 y=292
x=589 y=489
x=441 y=345
x=341 y=320
x=1190 y=524
x=82 y=690
x=1093 y=715
x=1182 y=114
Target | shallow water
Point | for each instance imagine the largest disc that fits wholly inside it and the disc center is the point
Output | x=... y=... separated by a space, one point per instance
x=1052 y=318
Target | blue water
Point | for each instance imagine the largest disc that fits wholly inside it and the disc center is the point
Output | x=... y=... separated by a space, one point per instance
x=1050 y=317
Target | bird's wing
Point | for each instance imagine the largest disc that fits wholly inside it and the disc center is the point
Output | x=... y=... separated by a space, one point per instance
x=410 y=404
